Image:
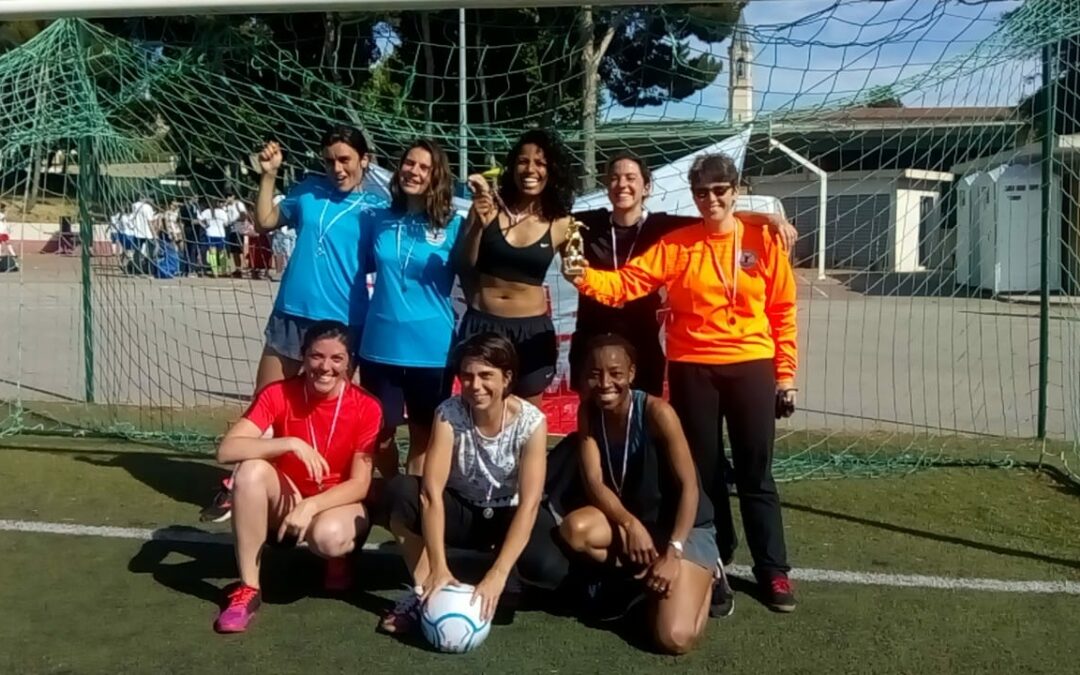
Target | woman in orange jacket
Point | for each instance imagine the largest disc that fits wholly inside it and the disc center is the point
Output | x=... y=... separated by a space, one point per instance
x=732 y=358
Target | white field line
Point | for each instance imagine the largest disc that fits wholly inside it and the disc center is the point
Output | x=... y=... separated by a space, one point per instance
x=172 y=534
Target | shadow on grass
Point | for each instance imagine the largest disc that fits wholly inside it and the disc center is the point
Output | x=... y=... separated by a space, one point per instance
x=202 y=570
x=933 y=536
x=180 y=479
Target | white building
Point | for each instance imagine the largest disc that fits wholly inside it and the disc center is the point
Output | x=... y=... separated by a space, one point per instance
x=999 y=220
x=882 y=221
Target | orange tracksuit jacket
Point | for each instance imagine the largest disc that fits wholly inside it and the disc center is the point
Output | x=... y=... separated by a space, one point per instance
x=704 y=327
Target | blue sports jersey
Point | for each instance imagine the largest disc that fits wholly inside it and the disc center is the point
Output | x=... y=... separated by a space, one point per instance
x=411 y=319
x=325 y=278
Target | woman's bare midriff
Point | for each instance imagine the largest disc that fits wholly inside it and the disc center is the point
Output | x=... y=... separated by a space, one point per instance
x=509 y=299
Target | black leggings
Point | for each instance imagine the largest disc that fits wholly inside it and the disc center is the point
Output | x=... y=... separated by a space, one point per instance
x=743 y=395
x=542 y=562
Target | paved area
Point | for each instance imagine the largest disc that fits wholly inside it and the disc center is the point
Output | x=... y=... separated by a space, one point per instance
x=874 y=359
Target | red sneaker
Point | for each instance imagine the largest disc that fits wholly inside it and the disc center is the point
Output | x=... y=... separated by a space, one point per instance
x=779 y=596
x=243 y=602
x=339 y=577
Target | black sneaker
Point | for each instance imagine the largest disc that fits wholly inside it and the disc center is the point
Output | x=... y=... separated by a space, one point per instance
x=779 y=596
x=723 y=598
x=612 y=598
x=220 y=508
x=506 y=610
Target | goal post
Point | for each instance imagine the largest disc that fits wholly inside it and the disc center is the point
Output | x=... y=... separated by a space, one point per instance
x=54 y=9
x=918 y=179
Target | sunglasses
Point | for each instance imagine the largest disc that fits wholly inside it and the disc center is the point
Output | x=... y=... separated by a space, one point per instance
x=719 y=190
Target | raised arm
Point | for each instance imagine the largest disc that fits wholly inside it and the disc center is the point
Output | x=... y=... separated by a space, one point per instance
x=636 y=279
x=532 y=469
x=482 y=213
x=267 y=213
x=775 y=223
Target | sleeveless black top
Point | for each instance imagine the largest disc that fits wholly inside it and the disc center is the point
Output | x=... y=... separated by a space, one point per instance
x=649 y=491
x=525 y=264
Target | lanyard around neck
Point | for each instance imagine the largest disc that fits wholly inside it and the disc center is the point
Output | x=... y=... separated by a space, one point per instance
x=324 y=228
x=633 y=242
x=731 y=287
x=625 y=448
x=333 y=423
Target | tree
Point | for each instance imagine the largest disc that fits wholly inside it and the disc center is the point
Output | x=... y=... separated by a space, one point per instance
x=1023 y=25
x=15 y=33
x=642 y=57
x=883 y=96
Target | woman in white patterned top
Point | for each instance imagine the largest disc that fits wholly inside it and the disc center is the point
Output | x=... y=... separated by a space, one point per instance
x=481 y=489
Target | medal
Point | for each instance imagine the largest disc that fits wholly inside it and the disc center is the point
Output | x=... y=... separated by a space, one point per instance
x=488 y=513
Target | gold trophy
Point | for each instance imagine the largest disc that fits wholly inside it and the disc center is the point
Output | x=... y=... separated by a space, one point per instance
x=574 y=250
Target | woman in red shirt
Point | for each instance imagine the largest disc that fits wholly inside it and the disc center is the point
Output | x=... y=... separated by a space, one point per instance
x=308 y=481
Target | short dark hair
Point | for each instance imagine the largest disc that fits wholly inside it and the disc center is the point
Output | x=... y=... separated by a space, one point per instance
x=323 y=330
x=491 y=348
x=350 y=136
x=610 y=340
x=625 y=155
x=713 y=168
x=557 y=200
x=440 y=194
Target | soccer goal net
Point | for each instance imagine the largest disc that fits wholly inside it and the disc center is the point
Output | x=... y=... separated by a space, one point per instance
x=927 y=152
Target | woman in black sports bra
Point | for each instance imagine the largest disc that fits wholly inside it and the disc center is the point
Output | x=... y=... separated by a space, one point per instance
x=512 y=237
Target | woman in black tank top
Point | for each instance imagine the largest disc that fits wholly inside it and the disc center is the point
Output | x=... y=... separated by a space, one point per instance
x=649 y=523
x=510 y=242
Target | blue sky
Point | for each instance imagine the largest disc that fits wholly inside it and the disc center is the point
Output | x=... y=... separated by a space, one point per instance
x=810 y=53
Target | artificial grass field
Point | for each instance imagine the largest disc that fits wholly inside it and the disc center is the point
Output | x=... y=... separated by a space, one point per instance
x=74 y=604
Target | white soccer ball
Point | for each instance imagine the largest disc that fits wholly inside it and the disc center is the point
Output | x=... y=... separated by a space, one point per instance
x=450 y=624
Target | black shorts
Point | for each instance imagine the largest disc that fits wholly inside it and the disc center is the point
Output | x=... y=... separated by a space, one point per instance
x=651 y=364
x=405 y=388
x=468 y=526
x=532 y=336
x=234 y=243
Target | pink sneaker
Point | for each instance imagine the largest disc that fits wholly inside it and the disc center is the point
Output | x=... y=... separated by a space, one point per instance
x=339 y=576
x=243 y=602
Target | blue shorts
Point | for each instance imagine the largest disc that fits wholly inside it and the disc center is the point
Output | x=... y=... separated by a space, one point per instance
x=400 y=389
x=285 y=335
x=216 y=243
x=126 y=241
x=700 y=547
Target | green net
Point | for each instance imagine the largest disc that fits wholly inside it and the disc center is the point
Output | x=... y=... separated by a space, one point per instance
x=922 y=337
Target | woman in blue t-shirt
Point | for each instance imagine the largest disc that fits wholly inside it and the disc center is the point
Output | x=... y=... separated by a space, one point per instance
x=405 y=348
x=325 y=277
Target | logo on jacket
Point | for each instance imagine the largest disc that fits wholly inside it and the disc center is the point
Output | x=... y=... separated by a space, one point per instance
x=435 y=235
x=748 y=259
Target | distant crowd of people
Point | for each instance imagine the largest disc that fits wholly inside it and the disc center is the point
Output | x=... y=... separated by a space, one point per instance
x=198 y=238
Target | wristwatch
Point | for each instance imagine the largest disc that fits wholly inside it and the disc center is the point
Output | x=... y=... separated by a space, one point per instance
x=677 y=545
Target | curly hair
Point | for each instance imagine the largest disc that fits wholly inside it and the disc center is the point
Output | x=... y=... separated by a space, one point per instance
x=438 y=198
x=557 y=199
